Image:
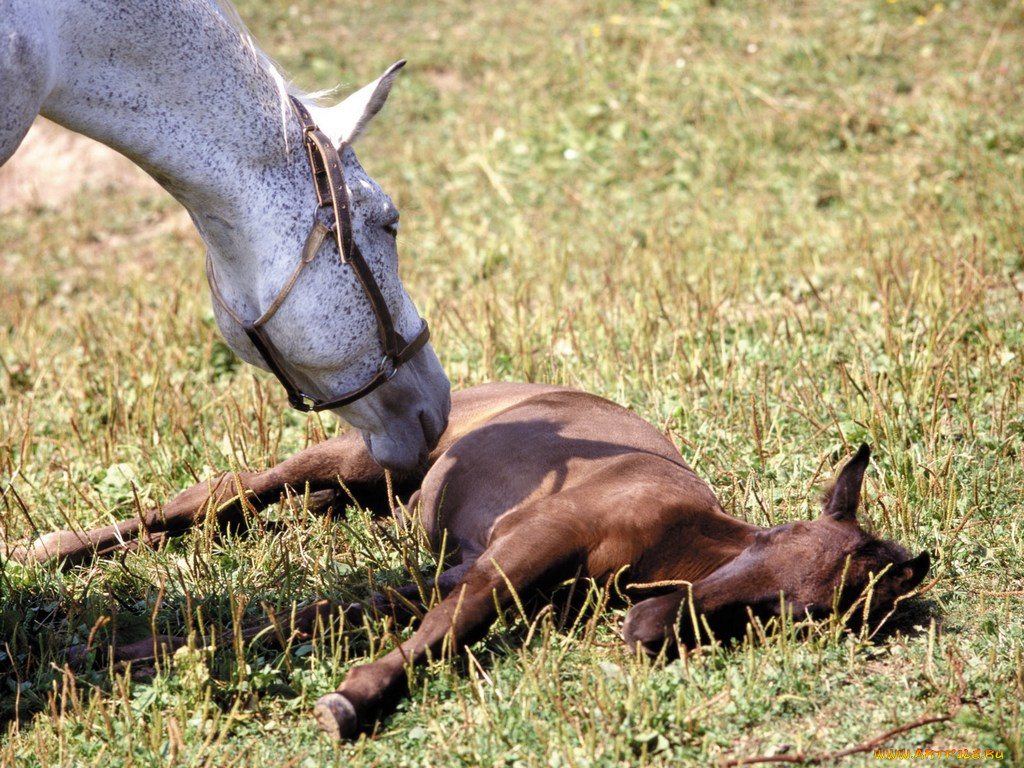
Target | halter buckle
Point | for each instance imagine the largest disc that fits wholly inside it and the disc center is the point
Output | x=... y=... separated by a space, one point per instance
x=388 y=367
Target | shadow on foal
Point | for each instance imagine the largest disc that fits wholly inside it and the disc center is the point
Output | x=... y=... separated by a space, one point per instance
x=531 y=485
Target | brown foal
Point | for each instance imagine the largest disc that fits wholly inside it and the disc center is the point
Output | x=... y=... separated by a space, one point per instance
x=532 y=485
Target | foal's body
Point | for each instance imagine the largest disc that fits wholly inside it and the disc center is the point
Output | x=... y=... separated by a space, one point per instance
x=533 y=484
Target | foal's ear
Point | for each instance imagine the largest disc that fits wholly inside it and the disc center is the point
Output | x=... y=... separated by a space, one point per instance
x=842 y=500
x=347 y=120
x=914 y=570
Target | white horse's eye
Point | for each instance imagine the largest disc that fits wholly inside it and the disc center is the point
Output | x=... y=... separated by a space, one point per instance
x=392 y=228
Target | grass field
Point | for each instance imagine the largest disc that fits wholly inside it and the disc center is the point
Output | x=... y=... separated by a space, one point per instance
x=773 y=230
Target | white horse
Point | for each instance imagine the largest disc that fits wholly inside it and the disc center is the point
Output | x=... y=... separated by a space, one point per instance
x=179 y=88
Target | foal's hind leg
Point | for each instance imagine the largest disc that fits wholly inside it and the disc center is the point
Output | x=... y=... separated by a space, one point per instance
x=226 y=498
x=280 y=630
x=530 y=551
x=402 y=605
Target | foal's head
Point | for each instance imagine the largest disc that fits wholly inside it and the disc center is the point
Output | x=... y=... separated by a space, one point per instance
x=805 y=568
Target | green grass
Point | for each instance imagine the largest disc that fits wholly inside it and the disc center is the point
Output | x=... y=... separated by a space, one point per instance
x=774 y=232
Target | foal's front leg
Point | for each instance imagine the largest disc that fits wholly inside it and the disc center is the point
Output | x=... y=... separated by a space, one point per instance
x=525 y=556
x=226 y=497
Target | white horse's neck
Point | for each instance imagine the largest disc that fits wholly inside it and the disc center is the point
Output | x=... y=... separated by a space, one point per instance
x=233 y=103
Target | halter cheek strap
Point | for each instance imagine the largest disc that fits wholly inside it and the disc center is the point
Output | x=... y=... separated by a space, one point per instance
x=314 y=240
x=331 y=192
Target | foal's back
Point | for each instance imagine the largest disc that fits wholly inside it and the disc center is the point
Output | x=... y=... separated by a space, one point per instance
x=520 y=449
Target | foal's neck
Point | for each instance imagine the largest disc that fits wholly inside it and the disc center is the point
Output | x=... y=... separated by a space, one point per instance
x=711 y=540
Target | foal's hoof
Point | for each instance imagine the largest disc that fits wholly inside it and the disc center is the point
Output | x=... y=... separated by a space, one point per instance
x=336 y=716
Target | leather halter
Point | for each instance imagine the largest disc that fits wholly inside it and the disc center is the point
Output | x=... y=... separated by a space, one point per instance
x=331 y=192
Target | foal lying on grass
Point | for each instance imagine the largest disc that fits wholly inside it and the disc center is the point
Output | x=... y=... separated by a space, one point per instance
x=532 y=485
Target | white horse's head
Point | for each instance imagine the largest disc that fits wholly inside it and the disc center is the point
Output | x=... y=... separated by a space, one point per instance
x=320 y=325
x=191 y=99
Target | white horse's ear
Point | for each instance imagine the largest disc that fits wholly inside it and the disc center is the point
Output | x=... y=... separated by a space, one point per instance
x=345 y=122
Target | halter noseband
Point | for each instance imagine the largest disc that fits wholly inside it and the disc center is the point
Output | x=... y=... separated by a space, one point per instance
x=331 y=192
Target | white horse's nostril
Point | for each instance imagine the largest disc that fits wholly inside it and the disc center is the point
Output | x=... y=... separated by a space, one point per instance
x=431 y=433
